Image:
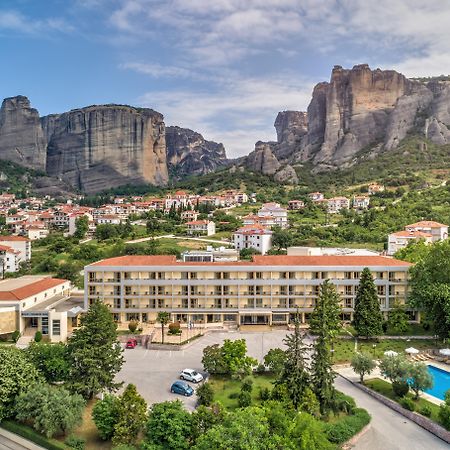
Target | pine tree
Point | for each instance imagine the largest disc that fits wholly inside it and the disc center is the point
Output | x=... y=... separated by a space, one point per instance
x=95 y=355
x=325 y=323
x=295 y=376
x=367 y=318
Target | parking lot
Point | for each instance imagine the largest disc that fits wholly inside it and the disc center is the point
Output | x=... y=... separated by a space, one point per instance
x=153 y=371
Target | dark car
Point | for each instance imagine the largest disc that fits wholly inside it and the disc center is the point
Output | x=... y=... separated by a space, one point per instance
x=182 y=388
x=131 y=343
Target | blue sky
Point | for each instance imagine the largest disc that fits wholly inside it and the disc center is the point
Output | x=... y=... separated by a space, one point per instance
x=221 y=67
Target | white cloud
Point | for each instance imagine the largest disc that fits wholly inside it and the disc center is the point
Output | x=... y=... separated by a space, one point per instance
x=240 y=113
x=15 y=21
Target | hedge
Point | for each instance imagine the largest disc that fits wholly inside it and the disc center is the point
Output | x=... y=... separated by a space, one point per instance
x=342 y=430
x=32 y=435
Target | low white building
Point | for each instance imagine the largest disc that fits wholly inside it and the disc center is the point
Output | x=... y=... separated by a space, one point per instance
x=20 y=244
x=9 y=260
x=438 y=231
x=253 y=236
x=201 y=228
x=294 y=205
x=375 y=188
x=275 y=214
x=316 y=196
x=336 y=204
x=361 y=202
x=189 y=215
x=111 y=219
x=400 y=239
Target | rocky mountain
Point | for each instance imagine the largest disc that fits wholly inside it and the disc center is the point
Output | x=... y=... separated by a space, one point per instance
x=188 y=153
x=358 y=110
x=103 y=146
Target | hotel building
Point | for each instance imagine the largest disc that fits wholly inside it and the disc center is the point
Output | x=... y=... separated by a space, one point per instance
x=266 y=290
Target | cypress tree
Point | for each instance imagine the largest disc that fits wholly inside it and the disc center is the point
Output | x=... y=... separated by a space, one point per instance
x=368 y=319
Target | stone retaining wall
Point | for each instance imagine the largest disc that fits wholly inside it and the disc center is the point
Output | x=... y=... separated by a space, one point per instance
x=420 y=420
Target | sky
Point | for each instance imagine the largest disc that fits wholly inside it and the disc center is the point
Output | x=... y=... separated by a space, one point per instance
x=223 y=68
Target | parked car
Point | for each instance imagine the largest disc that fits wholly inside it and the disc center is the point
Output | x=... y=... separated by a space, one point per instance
x=182 y=388
x=131 y=343
x=191 y=375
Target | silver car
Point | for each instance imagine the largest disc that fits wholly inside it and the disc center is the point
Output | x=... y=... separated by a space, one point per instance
x=191 y=375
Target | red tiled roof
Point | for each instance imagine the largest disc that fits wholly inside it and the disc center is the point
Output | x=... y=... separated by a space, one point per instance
x=14 y=238
x=412 y=234
x=258 y=260
x=427 y=224
x=31 y=289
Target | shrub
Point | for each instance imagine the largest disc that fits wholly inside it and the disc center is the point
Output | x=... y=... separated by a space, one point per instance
x=247 y=385
x=408 y=404
x=261 y=368
x=264 y=393
x=425 y=411
x=132 y=326
x=400 y=388
x=205 y=394
x=38 y=336
x=105 y=415
x=15 y=335
x=384 y=326
x=244 y=399
x=342 y=430
x=174 y=328
x=344 y=403
x=75 y=442
x=233 y=395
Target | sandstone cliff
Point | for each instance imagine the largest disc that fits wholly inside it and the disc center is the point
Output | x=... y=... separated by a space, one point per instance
x=360 y=110
x=188 y=153
x=21 y=137
x=98 y=147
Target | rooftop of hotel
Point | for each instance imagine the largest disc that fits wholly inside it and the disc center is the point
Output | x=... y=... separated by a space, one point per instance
x=258 y=260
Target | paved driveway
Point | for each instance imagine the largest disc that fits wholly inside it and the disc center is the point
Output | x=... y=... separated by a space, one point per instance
x=153 y=371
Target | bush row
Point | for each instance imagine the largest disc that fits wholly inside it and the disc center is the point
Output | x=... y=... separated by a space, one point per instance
x=343 y=430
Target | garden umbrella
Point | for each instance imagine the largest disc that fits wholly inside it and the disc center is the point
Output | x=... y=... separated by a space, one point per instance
x=412 y=350
x=390 y=353
x=445 y=351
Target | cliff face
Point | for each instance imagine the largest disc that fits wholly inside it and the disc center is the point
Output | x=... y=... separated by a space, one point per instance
x=99 y=147
x=188 y=153
x=361 y=109
x=21 y=137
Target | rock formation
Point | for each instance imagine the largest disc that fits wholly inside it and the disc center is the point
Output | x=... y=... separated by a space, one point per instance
x=99 y=147
x=360 y=110
x=21 y=138
x=188 y=153
x=262 y=159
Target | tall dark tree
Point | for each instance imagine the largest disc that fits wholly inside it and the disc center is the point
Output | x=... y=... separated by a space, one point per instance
x=81 y=227
x=325 y=323
x=163 y=318
x=95 y=354
x=368 y=319
x=295 y=376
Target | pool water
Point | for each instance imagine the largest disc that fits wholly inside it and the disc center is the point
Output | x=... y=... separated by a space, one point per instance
x=441 y=382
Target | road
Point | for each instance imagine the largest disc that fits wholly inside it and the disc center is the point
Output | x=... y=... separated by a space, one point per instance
x=388 y=429
x=21 y=444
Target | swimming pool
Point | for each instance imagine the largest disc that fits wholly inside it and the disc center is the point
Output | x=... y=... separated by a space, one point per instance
x=441 y=385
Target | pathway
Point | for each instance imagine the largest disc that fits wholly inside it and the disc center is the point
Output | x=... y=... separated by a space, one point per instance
x=388 y=430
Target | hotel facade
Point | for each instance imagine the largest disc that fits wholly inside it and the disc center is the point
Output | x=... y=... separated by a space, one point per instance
x=265 y=291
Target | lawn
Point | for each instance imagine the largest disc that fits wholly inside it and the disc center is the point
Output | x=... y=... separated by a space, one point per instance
x=344 y=349
x=385 y=388
x=224 y=387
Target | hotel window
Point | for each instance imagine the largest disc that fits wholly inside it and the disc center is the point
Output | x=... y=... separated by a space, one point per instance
x=160 y=303
x=283 y=275
x=348 y=275
x=316 y=275
x=292 y=275
x=56 y=327
x=161 y=275
x=348 y=290
x=250 y=275
x=258 y=275
x=116 y=317
x=356 y=275
x=44 y=325
x=217 y=275
x=116 y=303
x=381 y=290
x=226 y=275
x=348 y=303
x=380 y=275
x=193 y=275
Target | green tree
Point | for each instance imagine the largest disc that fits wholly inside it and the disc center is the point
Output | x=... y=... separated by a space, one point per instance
x=235 y=357
x=281 y=238
x=444 y=411
x=295 y=376
x=95 y=355
x=132 y=416
x=275 y=359
x=363 y=364
x=51 y=360
x=169 y=426
x=398 y=319
x=308 y=434
x=52 y=410
x=419 y=378
x=430 y=286
x=163 y=318
x=68 y=271
x=368 y=319
x=205 y=394
x=105 y=415
x=204 y=418
x=213 y=361
x=396 y=369
x=16 y=374
x=309 y=403
x=81 y=227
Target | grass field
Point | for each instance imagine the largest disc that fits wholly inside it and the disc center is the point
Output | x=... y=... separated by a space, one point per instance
x=385 y=388
x=344 y=349
x=224 y=387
